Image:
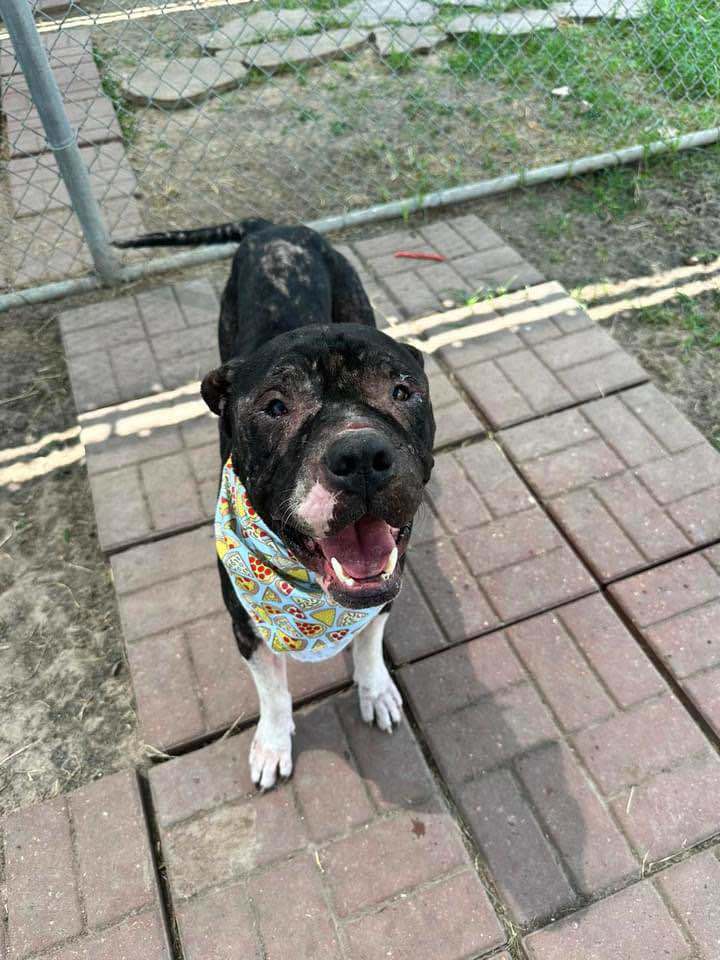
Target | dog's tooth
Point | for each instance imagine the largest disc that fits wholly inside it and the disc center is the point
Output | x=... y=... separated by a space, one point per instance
x=391 y=564
x=340 y=573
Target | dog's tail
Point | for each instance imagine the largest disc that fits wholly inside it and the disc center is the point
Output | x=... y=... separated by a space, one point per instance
x=233 y=232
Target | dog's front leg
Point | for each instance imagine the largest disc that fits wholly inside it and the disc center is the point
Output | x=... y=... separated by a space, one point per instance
x=271 y=749
x=380 y=699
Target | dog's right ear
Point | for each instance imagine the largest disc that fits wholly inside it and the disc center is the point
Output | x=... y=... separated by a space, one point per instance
x=215 y=388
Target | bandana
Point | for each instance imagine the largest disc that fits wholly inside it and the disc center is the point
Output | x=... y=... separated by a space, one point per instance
x=288 y=607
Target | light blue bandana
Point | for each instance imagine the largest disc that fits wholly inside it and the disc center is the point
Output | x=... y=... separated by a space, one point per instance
x=287 y=605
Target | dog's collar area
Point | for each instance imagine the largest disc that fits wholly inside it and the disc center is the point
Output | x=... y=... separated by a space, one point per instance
x=282 y=597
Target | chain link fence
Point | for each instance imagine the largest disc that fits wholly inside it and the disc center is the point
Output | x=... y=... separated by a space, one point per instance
x=189 y=113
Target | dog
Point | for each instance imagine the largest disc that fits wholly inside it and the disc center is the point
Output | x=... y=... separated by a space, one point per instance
x=326 y=438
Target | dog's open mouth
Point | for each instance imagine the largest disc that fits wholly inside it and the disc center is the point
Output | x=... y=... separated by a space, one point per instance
x=361 y=561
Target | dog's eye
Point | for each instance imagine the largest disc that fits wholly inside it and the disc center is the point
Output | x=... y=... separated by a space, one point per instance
x=276 y=408
x=401 y=392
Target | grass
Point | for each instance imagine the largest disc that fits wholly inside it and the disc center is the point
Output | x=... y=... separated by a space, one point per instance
x=698 y=323
x=680 y=40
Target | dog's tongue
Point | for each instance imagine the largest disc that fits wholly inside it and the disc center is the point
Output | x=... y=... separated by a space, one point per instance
x=362 y=548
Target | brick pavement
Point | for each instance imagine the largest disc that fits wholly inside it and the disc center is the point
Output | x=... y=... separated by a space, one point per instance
x=676 y=608
x=569 y=757
x=301 y=865
x=80 y=878
x=628 y=479
x=569 y=719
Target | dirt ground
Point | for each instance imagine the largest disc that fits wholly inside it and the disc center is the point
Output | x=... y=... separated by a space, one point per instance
x=64 y=692
x=64 y=689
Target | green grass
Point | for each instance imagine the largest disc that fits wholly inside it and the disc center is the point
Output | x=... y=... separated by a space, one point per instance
x=699 y=322
x=680 y=41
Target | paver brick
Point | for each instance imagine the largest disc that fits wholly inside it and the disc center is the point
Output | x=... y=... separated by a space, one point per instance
x=676 y=608
x=172 y=329
x=154 y=463
x=627 y=478
x=631 y=924
x=570 y=759
x=550 y=358
x=491 y=557
x=691 y=887
x=36 y=185
x=51 y=246
x=81 y=879
x=426 y=923
x=215 y=830
x=189 y=679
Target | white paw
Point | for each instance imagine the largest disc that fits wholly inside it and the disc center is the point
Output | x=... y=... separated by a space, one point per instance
x=271 y=753
x=381 y=702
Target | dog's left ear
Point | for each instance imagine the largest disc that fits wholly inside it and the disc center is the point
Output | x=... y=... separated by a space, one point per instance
x=215 y=388
x=418 y=355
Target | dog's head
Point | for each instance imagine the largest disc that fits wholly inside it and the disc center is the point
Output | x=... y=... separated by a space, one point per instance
x=332 y=433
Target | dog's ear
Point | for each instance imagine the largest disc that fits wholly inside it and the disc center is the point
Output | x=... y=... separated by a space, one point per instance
x=418 y=355
x=215 y=388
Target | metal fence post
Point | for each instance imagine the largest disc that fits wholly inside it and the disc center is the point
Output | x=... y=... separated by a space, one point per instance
x=61 y=138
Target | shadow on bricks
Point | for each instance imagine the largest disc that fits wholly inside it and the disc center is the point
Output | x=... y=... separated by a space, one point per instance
x=491 y=718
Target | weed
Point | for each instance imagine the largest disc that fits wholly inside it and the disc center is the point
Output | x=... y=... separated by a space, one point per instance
x=611 y=195
x=699 y=324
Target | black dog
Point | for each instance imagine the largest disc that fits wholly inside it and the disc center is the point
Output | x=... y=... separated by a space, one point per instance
x=328 y=429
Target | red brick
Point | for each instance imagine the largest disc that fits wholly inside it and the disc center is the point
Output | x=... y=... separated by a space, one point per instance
x=116 y=872
x=323 y=758
x=489 y=733
x=704 y=690
x=231 y=841
x=171 y=492
x=498 y=397
x=626 y=749
x=425 y=924
x=192 y=596
x=218 y=925
x=446 y=240
x=626 y=497
x=522 y=862
x=632 y=924
x=420 y=845
x=477 y=233
x=42 y=897
x=120 y=507
x=411 y=630
x=501 y=489
x=160 y=310
x=168 y=707
x=137 y=938
x=92 y=379
x=558 y=667
x=674 y=810
x=537 y=583
x=667 y=590
x=592 y=848
x=458 y=677
x=451 y=590
x=617 y=659
x=509 y=540
x=202 y=780
x=394 y=769
x=454 y=497
x=691 y=887
x=408 y=289
x=302 y=921
x=456 y=423
x=154 y=563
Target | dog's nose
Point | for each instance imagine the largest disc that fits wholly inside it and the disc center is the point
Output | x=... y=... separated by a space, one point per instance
x=360 y=462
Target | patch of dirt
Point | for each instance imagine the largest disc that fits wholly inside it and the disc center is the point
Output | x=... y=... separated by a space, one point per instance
x=65 y=698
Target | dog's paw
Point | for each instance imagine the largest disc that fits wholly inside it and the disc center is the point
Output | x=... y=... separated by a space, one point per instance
x=271 y=753
x=381 y=703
